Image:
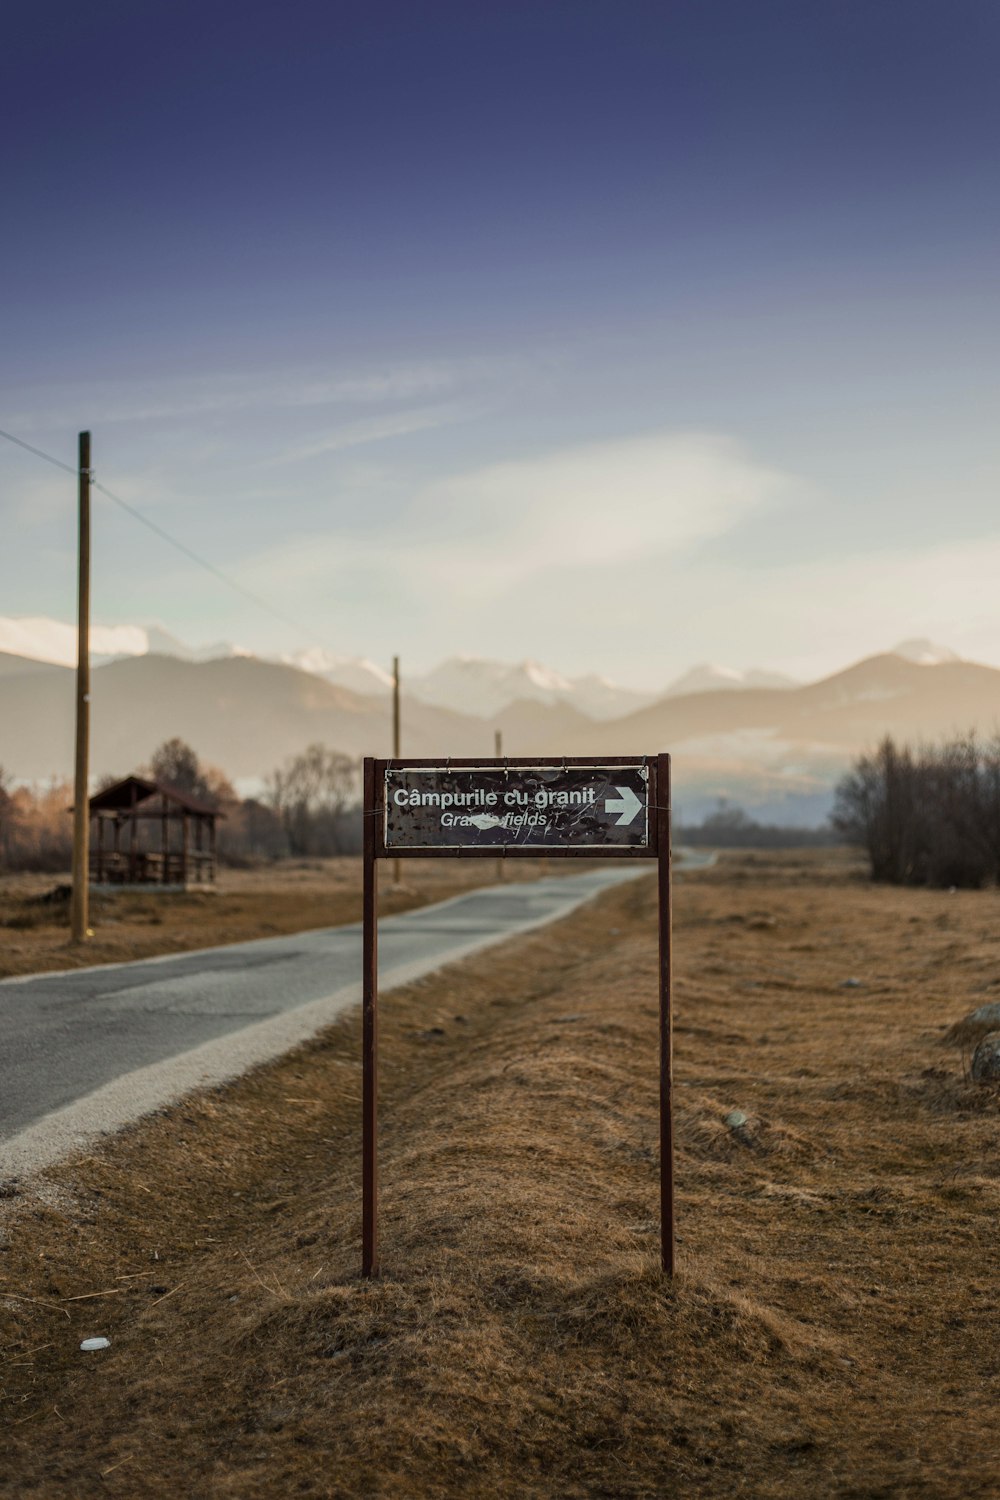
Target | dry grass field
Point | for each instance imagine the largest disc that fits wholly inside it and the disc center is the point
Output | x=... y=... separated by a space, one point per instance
x=833 y=1328
x=264 y=902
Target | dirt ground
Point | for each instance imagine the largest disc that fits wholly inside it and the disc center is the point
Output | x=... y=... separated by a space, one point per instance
x=278 y=898
x=832 y=1330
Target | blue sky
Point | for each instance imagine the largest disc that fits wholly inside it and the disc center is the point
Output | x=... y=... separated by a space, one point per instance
x=621 y=335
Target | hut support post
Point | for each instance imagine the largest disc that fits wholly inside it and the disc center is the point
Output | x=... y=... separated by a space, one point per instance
x=133 y=842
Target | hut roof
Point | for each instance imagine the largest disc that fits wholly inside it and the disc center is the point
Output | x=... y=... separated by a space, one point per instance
x=137 y=793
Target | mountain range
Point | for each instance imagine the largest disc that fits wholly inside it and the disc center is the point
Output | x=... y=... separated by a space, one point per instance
x=777 y=750
x=466 y=684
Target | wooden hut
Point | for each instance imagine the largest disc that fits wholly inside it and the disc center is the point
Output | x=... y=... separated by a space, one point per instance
x=144 y=832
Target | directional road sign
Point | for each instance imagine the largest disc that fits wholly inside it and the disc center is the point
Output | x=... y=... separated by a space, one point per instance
x=511 y=806
x=573 y=807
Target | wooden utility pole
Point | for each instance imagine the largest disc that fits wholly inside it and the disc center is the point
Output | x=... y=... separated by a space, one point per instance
x=498 y=752
x=395 y=739
x=369 y=1024
x=79 y=911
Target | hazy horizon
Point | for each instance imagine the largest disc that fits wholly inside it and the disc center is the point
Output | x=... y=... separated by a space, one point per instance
x=54 y=642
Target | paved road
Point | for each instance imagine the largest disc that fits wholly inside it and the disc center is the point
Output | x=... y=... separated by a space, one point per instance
x=87 y=1052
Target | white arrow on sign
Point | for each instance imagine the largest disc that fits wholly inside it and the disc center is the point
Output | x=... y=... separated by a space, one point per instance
x=626 y=803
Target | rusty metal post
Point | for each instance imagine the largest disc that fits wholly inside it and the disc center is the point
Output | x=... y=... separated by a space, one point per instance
x=369 y=1044
x=79 y=907
x=498 y=752
x=662 y=791
x=396 y=739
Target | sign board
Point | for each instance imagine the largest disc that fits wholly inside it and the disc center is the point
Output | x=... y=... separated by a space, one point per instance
x=571 y=806
x=475 y=808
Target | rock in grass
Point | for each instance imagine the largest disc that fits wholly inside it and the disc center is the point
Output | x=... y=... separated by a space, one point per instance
x=990 y=1013
x=976 y=1025
x=986 y=1059
x=739 y=1125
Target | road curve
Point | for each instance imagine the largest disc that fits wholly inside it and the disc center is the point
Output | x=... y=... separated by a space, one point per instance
x=85 y=1052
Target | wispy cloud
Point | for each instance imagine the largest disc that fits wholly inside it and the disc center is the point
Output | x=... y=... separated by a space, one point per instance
x=224 y=392
x=602 y=548
x=597 y=556
x=598 y=505
x=851 y=607
x=564 y=519
x=374 y=430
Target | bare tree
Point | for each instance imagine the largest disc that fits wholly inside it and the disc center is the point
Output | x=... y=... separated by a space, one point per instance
x=991 y=801
x=251 y=831
x=930 y=817
x=312 y=792
x=175 y=763
x=35 y=833
x=8 y=821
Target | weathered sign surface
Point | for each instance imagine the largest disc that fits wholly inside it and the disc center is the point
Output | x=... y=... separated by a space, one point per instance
x=522 y=806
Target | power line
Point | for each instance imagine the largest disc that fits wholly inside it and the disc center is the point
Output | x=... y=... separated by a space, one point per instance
x=203 y=563
x=165 y=535
x=38 y=452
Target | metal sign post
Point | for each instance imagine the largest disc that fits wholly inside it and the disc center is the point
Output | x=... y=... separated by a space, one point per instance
x=369 y=1044
x=469 y=809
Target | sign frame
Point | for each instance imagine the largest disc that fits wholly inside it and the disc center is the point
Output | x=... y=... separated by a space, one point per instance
x=375 y=848
x=527 y=850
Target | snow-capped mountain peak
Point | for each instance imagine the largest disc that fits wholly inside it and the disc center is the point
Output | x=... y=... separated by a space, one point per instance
x=603 y=699
x=707 y=677
x=924 y=652
x=160 y=642
x=479 y=686
x=356 y=673
x=484 y=688
x=40 y=639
